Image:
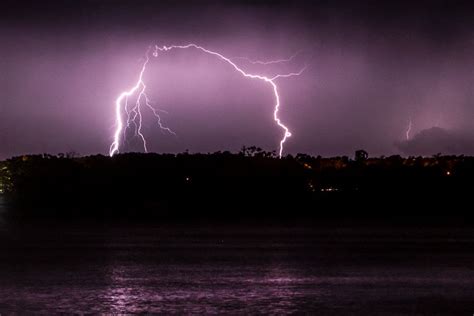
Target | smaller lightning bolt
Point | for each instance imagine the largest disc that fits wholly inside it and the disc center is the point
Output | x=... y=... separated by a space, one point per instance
x=409 y=130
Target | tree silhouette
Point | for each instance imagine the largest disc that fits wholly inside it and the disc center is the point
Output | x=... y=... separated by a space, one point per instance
x=361 y=155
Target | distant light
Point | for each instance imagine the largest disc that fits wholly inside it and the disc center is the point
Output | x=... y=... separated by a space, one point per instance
x=329 y=189
x=448 y=173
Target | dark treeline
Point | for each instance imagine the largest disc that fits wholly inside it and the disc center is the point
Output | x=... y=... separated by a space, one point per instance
x=223 y=185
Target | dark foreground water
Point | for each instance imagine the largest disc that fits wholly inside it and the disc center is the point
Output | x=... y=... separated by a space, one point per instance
x=234 y=270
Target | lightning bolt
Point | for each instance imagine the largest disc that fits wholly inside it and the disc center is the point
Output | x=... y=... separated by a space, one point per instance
x=409 y=130
x=134 y=114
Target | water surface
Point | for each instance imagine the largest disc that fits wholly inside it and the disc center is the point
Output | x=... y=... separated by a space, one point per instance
x=236 y=269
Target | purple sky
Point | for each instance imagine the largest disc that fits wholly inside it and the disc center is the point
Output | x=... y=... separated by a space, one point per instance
x=372 y=68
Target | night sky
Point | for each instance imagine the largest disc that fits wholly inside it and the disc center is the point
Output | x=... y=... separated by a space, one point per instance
x=373 y=66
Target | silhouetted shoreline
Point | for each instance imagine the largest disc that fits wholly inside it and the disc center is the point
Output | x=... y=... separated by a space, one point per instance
x=252 y=185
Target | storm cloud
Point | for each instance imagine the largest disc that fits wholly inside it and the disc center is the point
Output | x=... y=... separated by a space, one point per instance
x=437 y=140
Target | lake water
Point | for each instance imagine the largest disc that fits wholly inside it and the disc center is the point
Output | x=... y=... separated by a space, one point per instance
x=235 y=270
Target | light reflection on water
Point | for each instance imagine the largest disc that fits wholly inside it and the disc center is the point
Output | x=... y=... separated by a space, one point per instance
x=146 y=269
